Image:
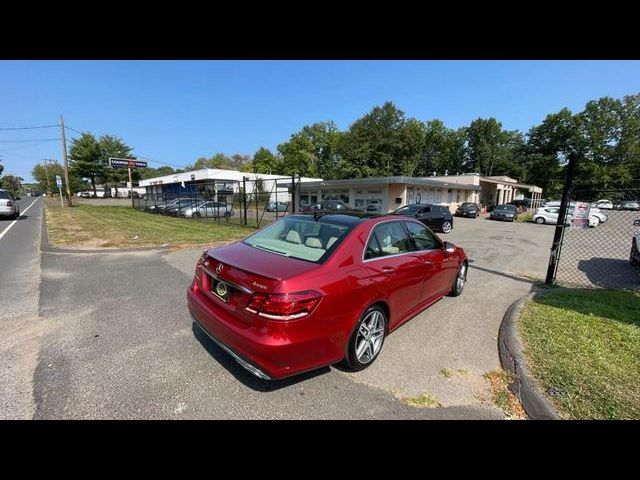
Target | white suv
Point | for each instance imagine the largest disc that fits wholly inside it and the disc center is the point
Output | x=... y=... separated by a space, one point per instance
x=8 y=205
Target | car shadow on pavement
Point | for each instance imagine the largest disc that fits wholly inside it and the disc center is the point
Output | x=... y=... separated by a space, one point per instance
x=242 y=375
x=506 y=275
x=610 y=272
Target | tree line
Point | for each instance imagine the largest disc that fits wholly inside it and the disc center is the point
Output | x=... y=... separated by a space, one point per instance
x=605 y=136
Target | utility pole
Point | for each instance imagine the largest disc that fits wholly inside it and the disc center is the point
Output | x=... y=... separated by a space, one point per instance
x=64 y=157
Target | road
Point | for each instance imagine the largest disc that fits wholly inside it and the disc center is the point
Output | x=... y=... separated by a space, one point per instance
x=21 y=329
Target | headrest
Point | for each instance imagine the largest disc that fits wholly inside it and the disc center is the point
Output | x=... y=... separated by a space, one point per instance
x=313 y=242
x=293 y=237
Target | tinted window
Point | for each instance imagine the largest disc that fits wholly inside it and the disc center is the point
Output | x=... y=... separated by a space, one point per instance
x=392 y=238
x=408 y=210
x=423 y=238
x=4 y=195
x=302 y=238
x=373 y=248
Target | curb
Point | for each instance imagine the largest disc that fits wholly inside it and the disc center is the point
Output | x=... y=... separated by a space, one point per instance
x=45 y=247
x=512 y=359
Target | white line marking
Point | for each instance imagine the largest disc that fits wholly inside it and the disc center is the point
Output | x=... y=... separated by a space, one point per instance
x=15 y=221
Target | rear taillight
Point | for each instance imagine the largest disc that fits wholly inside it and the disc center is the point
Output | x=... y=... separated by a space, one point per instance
x=197 y=277
x=284 y=306
x=9 y=204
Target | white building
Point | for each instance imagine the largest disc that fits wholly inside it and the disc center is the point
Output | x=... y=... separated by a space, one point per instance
x=212 y=182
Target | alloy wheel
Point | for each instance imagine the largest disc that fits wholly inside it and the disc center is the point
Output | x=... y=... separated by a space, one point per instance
x=370 y=337
x=446 y=227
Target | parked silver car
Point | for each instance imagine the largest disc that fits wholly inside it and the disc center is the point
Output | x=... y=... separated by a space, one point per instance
x=208 y=209
x=8 y=205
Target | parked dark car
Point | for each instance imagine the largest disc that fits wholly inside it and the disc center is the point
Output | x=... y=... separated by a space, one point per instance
x=630 y=205
x=468 y=209
x=505 y=212
x=277 y=206
x=436 y=217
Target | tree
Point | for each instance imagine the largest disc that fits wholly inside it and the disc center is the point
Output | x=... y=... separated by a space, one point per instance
x=264 y=162
x=85 y=159
x=13 y=183
x=382 y=142
x=1 y=169
x=45 y=175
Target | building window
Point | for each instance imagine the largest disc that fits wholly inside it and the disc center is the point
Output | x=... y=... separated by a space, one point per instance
x=374 y=200
x=449 y=196
x=458 y=195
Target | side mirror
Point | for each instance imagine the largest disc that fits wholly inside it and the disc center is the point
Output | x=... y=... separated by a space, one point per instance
x=17 y=198
x=449 y=247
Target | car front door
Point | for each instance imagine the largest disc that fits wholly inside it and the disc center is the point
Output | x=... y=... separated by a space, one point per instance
x=437 y=276
x=395 y=268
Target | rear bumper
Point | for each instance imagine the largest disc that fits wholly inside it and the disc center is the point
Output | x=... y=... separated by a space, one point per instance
x=7 y=211
x=274 y=351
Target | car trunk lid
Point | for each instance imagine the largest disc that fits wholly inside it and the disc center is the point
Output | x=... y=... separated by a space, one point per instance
x=246 y=270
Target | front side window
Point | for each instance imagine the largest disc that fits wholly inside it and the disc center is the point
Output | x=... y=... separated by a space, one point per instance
x=422 y=237
x=301 y=238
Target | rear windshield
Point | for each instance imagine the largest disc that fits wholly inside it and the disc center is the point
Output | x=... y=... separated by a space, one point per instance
x=4 y=195
x=468 y=204
x=408 y=210
x=509 y=208
x=301 y=238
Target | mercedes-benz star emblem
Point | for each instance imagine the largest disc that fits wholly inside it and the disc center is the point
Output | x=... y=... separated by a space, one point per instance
x=219 y=268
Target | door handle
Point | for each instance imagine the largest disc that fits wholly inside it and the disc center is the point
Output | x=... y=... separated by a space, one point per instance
x=388 y=270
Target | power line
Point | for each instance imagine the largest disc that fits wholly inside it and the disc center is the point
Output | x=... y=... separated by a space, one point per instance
x=72 y=129
x=27 y=128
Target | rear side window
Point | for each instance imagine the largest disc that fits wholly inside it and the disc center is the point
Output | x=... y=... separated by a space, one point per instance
x=388 y=238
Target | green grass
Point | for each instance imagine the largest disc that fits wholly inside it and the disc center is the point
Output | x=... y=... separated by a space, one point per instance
x=113 y=226
x=585 y=345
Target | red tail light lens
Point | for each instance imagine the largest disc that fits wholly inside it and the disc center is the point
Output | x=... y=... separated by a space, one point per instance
x=284 y=306
x=9 y=204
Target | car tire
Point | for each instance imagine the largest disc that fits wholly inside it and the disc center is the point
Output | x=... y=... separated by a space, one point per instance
x=540 y=220
x=16 y=215
x=446 y=227
x=196 y=215
x=460 y=280
x=374 y=318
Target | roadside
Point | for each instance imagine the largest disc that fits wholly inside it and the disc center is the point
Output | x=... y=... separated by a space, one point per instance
x=583 y=350
x=107 y=226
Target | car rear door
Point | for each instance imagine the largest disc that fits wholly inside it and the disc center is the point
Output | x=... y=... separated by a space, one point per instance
x=436 y=271
x=395 y=269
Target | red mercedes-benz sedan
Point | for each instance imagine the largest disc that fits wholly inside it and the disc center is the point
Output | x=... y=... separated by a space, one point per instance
x=312 y=290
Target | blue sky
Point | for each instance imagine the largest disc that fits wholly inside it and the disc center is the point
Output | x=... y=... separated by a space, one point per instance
x=177 y=111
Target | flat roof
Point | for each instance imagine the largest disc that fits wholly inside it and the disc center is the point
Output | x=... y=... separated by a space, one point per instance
x=389 y=180
x=214 y=174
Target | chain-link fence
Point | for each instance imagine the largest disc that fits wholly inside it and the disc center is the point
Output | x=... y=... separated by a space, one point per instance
x=252 y=203
x=596 y=244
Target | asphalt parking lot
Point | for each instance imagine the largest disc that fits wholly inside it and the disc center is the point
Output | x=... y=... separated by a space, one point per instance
x=118 y=342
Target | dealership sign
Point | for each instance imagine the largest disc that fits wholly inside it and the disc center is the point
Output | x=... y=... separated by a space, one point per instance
x=126 y=163
x=581 y=215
